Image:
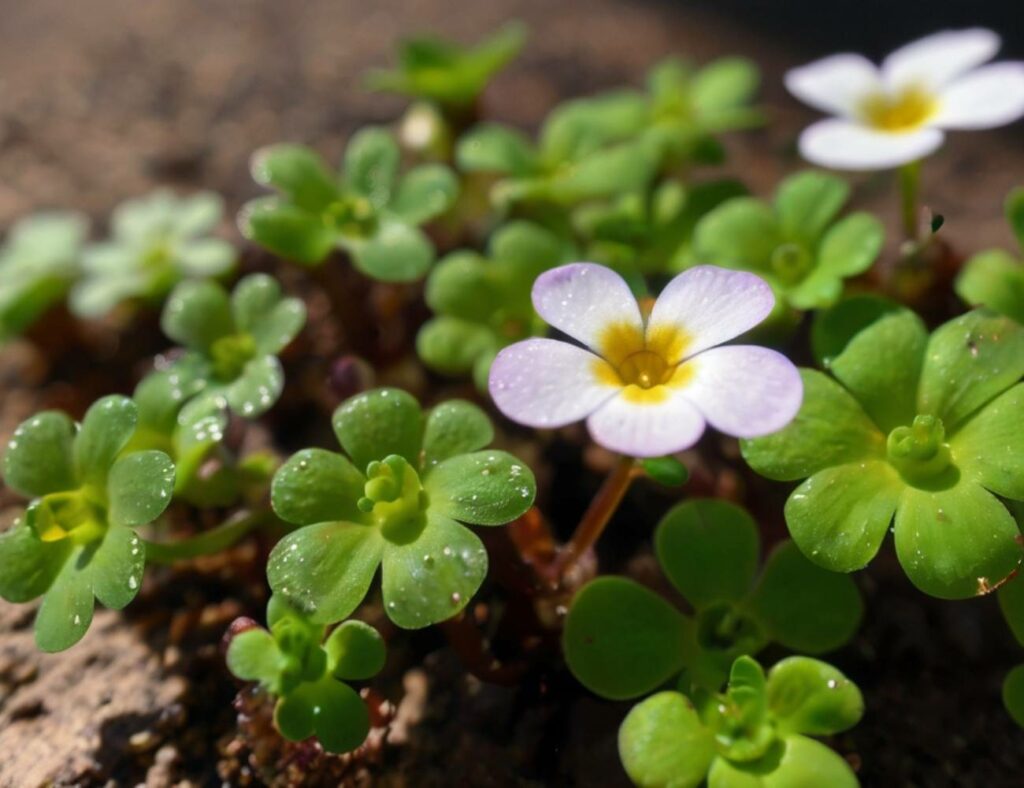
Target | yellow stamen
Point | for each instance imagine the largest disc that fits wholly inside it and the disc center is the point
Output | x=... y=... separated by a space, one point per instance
x=645 y=368
x=907 y=110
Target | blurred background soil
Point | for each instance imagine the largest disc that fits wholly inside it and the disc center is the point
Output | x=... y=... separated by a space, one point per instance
x=105 y=99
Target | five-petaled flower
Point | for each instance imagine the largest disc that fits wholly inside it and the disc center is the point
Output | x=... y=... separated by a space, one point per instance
x=897 y=113
x=649 y=383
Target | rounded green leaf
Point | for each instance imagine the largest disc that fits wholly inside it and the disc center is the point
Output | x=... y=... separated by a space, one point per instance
x=990 y=447
x=355 y=651
x=253 y=655
x=463 y=285
x=622 y=640
x=287 y=230
x=664 y=744
x=371 y=163
x=804 y=607
x=851 y=245
x=812 y=697
x=293 y=714
x=958 y=542
x=741 y=232
x=483 y=488
x=1011 y=602
x=425 y=192
x=799 y=763
x=709 y=549
x=258 y=387
x=454 y=427
x=433 y=577
x=325 y=570
x=317 y=486
x=807 y=202
x=667 y=471
x=994 y=279
x=67 y=608
x=331 y=710
x=298 y=172
x=107 y=427
x=491 y=147
x=139 y=488
x=260 y=310
x=832 y=329
x=840 y=515
x=724 y=83
x=453 y=346
x=375 y=424
x=397 y=252
x=28 y=565
x=205 y=257
x=38 y=459
x=1013 y=694
x=116 y=566
x=197 y=314
x=969 y=361
x=831 y=428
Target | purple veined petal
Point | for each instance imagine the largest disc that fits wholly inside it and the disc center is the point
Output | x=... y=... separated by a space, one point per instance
x=843 y=145
x=706 y=306
x=837 y=84
x=642 y=424
x=986 y=98
x=744 y=390
x=545 y=383
x=586 y=301
x=934 y=61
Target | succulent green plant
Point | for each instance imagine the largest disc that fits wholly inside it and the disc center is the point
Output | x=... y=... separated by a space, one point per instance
x=926 y=429
x=995 y=278
x=155 y=242
x=447 y=74
x=794 y=243
x=622 y=640
x=39 y=262
x=307 y=673
x=232 y=342
x=397 y=501
x=368 y=211
x=755 y=733
x=482 y=304
x=77 y=540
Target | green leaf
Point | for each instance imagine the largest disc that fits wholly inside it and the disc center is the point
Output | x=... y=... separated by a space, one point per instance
x=197 y=314
x=317 y=486
x=994 y=279
x=433 y=577
x=804 y=607
x=812 y=697
x=622 y=640
x=830 y=429
x=355 y=651
x=160 y=395
x=379 y=423
x=663 y=743
x=287 y=230
x=851 y=245
x=325 y=570
x=116 y=567
x=957 y=542
x=28 y=565
x=833 y=328
x=1011 y=602
x=258 y=387
x=298 y=172
x=807 y=202
x=1013 y=694
x=970 y=360
x=667 y=471
x=331 y=710
x=724 y=83
x=205 y=257
x=580 y=127
x=463 y=285
x=1014 y=209
x=800 y=763
x=38 y=459
x=253 y=655
x=624 y=167
x=66 y=612
x=139 y=488
x=709 y=549
x=491 y=147
x=261 y=311
x=107 y=427
x=839 y=516
x=885 y=385
x=453 y=346
x=741 y=232
x=990 y=447
x=371 y=164
x=397 y=252
x=425 y=192
x=454 y=427
x=483 y=488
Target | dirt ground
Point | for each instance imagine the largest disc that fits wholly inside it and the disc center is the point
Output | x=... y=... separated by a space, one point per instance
x=103 y=100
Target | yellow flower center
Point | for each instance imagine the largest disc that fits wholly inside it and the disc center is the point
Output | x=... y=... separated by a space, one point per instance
x=904 y=111
x=644 y=366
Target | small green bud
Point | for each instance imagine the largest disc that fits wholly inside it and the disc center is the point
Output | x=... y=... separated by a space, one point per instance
x=395 y=497
x=919 y=451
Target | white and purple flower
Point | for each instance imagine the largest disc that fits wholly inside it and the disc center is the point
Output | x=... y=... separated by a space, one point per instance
x=648 y=384
x=897 y=113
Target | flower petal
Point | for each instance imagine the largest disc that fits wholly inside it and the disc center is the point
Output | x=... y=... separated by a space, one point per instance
x=546 y=383
x=645 y=428
x=842 y=145
x=708 y=306
x=584 y=299
x=744 y=390
x=834 y=84
x=937 y=59
x=989 y=97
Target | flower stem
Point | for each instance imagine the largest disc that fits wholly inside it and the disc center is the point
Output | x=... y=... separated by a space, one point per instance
x=594 y=520
x=207 y=542
x=910 y=193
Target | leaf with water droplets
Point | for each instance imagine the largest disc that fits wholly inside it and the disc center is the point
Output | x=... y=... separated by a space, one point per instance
x=317 y=486
x=663 y=742
x=378 y=423
x=483 y=488
x=39 y=455
x=106 y=429
x=990 y=446
x=116 y=566
x=260 y=310
x=257 y=388
x=66 y=612
x=812 y=697
x=197 y=314
x=28 y=565
x=454 y=427
x=328 y=709
x=139 y=487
